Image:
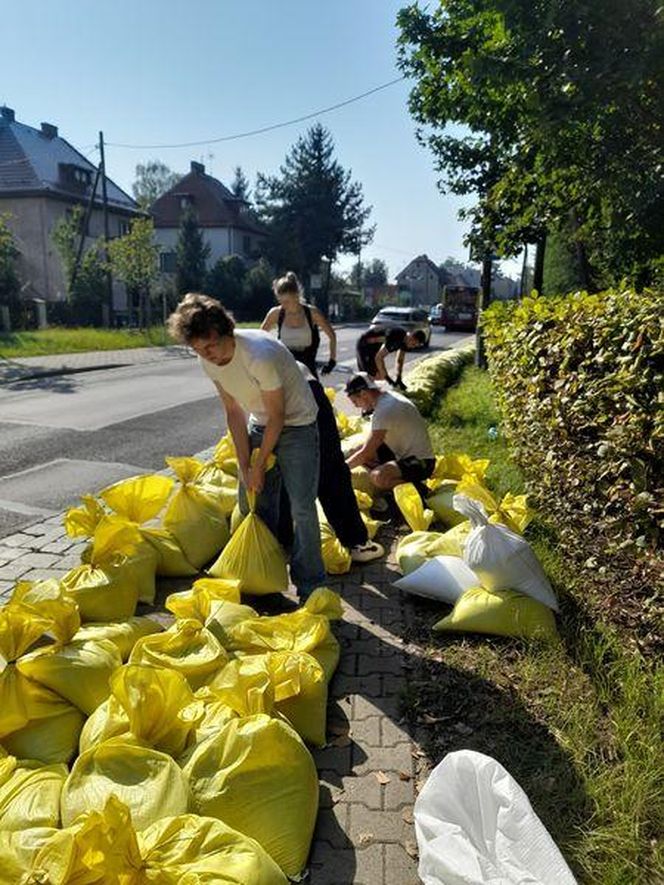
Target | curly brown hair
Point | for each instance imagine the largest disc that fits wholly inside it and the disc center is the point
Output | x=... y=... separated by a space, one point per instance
x=196 y=316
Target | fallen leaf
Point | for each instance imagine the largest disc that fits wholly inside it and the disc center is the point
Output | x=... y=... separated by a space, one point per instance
x=411 y=847
x=365 y=838
x=417 y=754
x=404 y=776
x=382 y=778
x=408 y=816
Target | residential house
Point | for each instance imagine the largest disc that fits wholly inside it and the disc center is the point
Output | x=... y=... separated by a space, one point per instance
x=419 y=282
x=42 y=178
x=226 y=221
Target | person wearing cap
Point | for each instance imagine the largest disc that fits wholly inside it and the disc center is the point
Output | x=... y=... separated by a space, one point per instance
x=398 y=448
x=374 y=345
x=256 y=374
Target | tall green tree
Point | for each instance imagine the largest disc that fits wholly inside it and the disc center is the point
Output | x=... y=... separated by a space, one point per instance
x=134 y=259
x=240 y=184
x=312 y=208
x=85 y=283
x=225 y=281
x=152 y=179
x=10 y=285
x=560 y=106
x=191 y=255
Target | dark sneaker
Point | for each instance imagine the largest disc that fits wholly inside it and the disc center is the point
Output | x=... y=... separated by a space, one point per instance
x=366 y=552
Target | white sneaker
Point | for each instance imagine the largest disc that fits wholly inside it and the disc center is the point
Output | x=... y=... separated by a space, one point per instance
x=366 y=552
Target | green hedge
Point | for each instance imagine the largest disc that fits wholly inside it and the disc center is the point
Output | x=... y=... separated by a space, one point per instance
x=579 y=380
x=433 y=375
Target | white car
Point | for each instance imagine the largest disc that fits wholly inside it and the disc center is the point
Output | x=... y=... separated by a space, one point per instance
x=412 y=319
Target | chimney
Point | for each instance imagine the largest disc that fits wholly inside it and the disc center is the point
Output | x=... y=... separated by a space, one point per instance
x=7 y=113
x=48 y=130
x=197 y=168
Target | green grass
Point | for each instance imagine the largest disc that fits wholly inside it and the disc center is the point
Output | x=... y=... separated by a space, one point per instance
x=55 y=340
x=579 y=725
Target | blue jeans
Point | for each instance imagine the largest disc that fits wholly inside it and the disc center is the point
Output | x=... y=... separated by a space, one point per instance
x=297 y=466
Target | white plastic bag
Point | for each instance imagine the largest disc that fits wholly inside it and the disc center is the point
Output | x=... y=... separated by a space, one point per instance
x=475 y=826
x=500 y=558
x=443 y=578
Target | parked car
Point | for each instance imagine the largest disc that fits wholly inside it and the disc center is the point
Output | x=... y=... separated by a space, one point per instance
x=413 y=319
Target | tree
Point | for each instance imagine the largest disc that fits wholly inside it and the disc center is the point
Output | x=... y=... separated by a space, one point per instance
x=312 y=208
x=240 y=184
x=191 y=255
x=10 y=285
x=375 y=274
x=561 y=105
x=85 y=284
x=225 y=281
x=153 y=179
x=258 y=294
x=134 y=259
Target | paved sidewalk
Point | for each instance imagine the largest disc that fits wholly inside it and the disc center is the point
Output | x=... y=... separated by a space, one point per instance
x=71 y=363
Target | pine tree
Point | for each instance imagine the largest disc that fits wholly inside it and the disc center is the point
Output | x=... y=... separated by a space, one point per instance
x=240 y=185
x=191 y=255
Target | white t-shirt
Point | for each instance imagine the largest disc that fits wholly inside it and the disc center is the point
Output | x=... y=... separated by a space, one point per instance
x=261 y=363
x=406 y=430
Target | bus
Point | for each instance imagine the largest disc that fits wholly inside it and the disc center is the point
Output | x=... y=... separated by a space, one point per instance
x=459 y=307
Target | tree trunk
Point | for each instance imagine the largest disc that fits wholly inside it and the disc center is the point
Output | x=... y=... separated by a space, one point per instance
x=538 y=278
x=484 y=301
x=581 y=254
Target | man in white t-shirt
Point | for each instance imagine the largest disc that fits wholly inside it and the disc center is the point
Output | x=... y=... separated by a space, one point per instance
x=256 y=375
x=398 y=448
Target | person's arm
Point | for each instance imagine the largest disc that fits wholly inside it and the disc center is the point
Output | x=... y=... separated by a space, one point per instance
x=274 y=402
x=400 y=360
x=237 y=424
x=323 y=323
x=367 y=453
x=381 y=374
x=270 y=320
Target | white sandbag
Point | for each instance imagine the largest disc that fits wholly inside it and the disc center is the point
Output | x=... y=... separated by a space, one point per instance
x=475 y=826
x=500 y=558
x=443 y=578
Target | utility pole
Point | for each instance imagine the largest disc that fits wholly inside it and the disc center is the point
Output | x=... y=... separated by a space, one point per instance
x=104 y=196
x=538 y=279
x=524 y=271
x=484 y=301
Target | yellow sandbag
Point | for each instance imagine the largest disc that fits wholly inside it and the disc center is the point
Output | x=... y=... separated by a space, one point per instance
x=149 y=782
x=455 y=466
x=259 y=778
x=195 y=602
x=123 y=634
x=410 y=504
x=82 y=522
x=19 y=850
x=49 y=600
x=216 y=714
x=52 y=732
x=253 y=556
x=361 y=481
x=500 y=613
x=140 y=500
x=193 y=515
x=326 y=602
x=413 y=550
x=441 y=504
x=187 y=647
x=336 y=558
x=106 y=588
x=160 y=706
x=78 y=671
x=364 y=500
x=222 y=485
x=298 y=631
x=371 y=525
x=512 y=510
x=30 y=794
x=224 y=615
x=109 y=720
x=195 y=849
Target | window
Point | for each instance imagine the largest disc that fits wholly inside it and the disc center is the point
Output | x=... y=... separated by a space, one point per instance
x=167 y=262
x=123 y=228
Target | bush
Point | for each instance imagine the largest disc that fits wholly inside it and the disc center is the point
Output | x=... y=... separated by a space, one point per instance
x=579 y=386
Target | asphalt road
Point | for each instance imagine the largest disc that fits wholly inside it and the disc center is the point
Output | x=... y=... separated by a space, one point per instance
x=68 y=435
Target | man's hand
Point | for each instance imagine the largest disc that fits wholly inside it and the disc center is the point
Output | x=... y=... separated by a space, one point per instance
x=327 y=368
x=399 y=384
x=255 y=478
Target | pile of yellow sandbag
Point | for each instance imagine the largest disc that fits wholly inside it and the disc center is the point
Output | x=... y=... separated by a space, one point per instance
x=479 y=563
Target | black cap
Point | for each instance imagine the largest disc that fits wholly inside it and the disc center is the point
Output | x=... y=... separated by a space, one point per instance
x=358 y=383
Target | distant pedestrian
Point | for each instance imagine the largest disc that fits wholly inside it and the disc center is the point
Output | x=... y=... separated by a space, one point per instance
x=298 y=324
x=255 y=374
x=398 y=448
x=374 y=345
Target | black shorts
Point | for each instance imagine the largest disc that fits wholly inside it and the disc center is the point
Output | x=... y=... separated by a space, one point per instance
x=366 y=357
x=412 y=469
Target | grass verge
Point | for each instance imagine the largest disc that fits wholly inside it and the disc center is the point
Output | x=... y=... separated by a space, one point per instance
x=578 y=725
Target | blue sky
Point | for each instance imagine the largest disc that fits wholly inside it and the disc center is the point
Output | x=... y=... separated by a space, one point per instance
x=161 y=73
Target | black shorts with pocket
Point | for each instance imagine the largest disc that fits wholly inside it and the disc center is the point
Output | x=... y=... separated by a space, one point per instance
x=412 y=469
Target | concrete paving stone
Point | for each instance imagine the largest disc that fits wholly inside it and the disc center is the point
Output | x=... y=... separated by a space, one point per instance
x=332 y=825
x=371 y=647
x=44 y=574
x=61 y=545
x=392 y=685
x=338 y=759
x=332 y=866
x=385 y=664
x=364 y=790
x=370 y=865
x=362 y=706
x=392 y=733
x=6 y=588
x=38 y=529
x=8 y=554
x=18 y=540
x=386 y=759
x=366 y=732
x=385 y=826
x=69 y=560
x=39 y=560
x=12 y=571
x=400 y=867
x=398 y=794
x=347 y=664
x=367 y=685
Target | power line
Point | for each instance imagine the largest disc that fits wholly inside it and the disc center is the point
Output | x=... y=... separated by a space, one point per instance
x=333 y=107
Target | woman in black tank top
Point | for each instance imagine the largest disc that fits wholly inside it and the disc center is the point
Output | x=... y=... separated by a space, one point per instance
x=298 y=324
